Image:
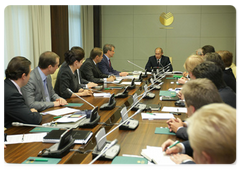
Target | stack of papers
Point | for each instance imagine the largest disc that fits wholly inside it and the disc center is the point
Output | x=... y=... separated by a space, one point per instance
x=25 y=138
x=156 y=155
x=174 y=109
x=152 y=116
x=108 y=95
x=129 y=83
x=62 y=111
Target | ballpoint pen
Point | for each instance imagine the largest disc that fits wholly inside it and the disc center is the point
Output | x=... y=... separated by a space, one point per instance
x=174 y=144
x=38 y=159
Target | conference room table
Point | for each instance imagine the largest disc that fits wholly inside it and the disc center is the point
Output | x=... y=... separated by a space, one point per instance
x=130 y=141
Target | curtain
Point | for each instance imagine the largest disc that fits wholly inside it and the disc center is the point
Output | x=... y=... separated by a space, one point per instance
x=27 y=32
x=87 y=29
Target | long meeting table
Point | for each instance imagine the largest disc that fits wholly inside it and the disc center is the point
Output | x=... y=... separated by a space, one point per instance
x=131 y=141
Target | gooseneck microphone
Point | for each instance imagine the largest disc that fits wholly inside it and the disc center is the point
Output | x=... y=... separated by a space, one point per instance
x=136 y=65
x=31 y=125
x=80 y=97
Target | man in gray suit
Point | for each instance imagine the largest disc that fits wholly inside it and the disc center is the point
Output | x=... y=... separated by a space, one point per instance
x=39 y=93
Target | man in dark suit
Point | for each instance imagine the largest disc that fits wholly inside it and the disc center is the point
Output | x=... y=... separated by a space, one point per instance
x=158 y=61
x=196 y=94
x=105 y=65
x=16 y=110
x=214 y=73
x=211 y=126
x=38 y=92
x=91 y=72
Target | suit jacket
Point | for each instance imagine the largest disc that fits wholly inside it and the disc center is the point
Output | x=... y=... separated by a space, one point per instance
x=105 y=68
x=15 y=109
x=91 y=72
x=83 y=82
x=229 y=79
x=66 y=79
x=182 y=133
x=34 y=93
x=228 y=96
x=152 y=62
x=188 y=148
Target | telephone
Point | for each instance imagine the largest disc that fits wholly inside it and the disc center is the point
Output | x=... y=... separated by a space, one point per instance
x=123 y=94
x=110 y=105
x=60 y=149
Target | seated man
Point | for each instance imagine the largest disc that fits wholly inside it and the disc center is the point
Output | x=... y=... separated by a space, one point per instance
x=207 y=49
x=158 y=61
x=211 y=71
x=196 y=94
x=105 y=65
x=91 y=72
x=15 y=108
x=212 y=134
x=38 y=92
x=191 y=62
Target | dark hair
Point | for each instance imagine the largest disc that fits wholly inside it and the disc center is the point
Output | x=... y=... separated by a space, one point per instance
x=211 y=71
x=96 y=51
x=207 y=49
x=76 y=53
x=47 y=58
x=227 y=57
x=107 y=47
x=216 y=58
x=16 y=67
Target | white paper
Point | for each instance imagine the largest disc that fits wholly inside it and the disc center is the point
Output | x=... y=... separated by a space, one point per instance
x=152 y=116
x=174 y=109
x=68 y=119
x=62 y=111
x=25 y=138
x=129 y=83
x=102 y=95
x=157 y=155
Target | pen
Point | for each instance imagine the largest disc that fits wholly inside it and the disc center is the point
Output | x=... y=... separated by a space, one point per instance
x=57 y=117
x=22 y=137
x=38 y=159
x=174 y=144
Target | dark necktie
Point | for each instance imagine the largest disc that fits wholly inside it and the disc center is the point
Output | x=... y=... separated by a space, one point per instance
x=110 y=63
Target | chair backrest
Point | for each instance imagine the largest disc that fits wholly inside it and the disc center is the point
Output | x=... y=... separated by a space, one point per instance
x=170 y=58
x=234 y=69
x=54 y=76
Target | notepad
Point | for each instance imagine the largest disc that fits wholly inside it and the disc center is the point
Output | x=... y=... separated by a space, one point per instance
x=152 y=116
x=174 y=109
x=129 y=160
x=163 y=130
x=50 y=161
x=156 y=155
x=74 y=105
x=25 y=138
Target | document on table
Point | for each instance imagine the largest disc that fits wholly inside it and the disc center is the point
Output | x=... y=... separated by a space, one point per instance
x=152 y=116
x=174 y=109
x=25 y=138
x=62 y=111
x=102 y=95
x=156 y=155
x=129 y=83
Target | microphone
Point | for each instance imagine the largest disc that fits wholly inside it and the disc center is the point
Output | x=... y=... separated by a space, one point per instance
x=136 y=65
x=94 y=117
x=80 y=97
x=31 y=125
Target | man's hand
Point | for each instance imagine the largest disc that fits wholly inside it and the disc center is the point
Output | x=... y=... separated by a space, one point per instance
x=175 y=124
x=176 y=149
x=33 y=110
x=179 y=158
x=123 y=74
x=91 y=84
x=62 y=101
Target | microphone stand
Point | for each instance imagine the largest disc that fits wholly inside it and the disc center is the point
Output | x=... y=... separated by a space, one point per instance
x=136 y=65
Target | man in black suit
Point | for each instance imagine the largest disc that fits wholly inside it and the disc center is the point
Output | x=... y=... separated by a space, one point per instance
x=196 y=94
x=158 y=61
x=90 y=71
x=214 y=73
x=16 y=110
x=211 y=126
